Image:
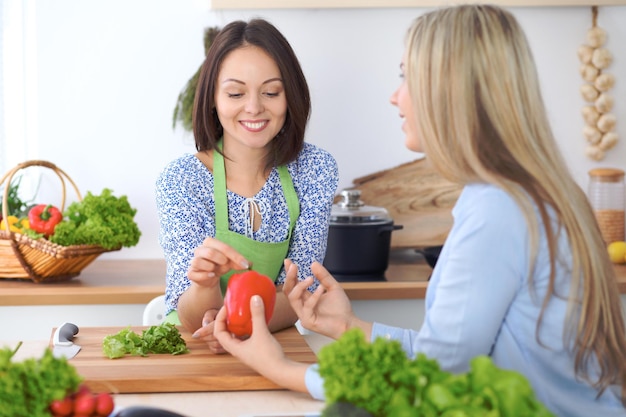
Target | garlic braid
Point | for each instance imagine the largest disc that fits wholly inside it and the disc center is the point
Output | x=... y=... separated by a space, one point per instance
x=600 y=122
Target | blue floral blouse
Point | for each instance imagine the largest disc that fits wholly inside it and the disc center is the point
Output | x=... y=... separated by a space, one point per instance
x=186 y=210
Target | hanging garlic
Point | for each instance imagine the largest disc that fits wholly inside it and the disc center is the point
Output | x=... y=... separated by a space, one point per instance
x=604 y=103
x=601 y=58
x=599 y=129
x=591 y=115
x=589 y=72
x=596 y=36
x=604 y=82
x=592 y=134
x=585 y=52
x=606 y=122
x=589 y=92
x=594 y=152
x=608 y=141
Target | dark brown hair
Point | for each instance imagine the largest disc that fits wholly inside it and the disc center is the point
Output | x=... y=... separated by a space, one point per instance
x=262 y=34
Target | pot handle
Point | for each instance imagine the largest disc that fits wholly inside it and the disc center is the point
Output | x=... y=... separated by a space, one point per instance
x=389 y=228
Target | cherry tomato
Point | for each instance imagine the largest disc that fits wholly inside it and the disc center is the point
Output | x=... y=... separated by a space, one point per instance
x=84 y=404
x=62 y=408
x=82 y=389
x=241 y=287
x=104 y=404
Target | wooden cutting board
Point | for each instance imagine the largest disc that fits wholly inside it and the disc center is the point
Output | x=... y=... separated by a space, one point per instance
x=199 y=370
x=416 y=197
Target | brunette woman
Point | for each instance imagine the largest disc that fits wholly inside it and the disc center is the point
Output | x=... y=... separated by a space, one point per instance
x=255 y=192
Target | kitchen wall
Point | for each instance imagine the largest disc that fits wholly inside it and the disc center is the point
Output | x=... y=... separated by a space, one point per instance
x=94 y=84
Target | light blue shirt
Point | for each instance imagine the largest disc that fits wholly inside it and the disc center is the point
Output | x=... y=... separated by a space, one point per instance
x=478 y=302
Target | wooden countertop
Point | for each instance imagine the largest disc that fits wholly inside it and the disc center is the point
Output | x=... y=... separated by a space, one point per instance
x=208 y=404
x=102 y=282
x=139 y=281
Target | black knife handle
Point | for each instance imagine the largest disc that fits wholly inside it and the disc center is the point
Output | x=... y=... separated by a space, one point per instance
x=144 y=411
x=64 y=334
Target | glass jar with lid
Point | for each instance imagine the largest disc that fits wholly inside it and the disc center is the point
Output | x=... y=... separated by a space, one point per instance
x=607 y=197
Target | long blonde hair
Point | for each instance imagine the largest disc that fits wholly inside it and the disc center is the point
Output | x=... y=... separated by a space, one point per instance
x=481 y=118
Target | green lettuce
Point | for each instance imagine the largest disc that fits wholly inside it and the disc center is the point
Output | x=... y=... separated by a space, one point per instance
x=377 y=379
x=104 y=220
x=164 y=338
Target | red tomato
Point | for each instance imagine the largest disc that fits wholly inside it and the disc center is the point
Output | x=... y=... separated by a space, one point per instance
x=104 y=404
x=241 y=287
x=62 y=408
x=84 y=404
x=82 y=390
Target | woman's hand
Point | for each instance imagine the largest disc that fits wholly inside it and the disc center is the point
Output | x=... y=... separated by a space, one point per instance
x=261 y=351
x=207 y=332
x=327 y=310
x=212 y=260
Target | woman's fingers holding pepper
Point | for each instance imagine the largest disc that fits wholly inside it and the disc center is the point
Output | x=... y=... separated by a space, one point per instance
x=207 y=332
x=223 y=254
x=213 y=259
x=223 y=336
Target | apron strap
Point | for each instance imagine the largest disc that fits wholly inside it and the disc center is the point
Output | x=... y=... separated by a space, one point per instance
x=293 y=205
x=219 y=189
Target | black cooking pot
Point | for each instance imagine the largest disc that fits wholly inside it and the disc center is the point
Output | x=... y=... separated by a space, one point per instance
x=359 y=239
x=430 y=254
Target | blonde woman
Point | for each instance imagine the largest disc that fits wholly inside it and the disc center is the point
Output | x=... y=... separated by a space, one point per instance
x=524 y=275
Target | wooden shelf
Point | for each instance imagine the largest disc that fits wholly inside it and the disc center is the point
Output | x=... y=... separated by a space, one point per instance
x=139 y=281
x=339 y=4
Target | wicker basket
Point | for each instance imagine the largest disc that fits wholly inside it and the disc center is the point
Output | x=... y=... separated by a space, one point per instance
x=41 y=261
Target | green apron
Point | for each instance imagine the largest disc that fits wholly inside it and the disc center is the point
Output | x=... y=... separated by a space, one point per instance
x=266 y=257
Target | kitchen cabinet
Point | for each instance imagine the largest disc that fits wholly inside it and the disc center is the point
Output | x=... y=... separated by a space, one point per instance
x=322 y=4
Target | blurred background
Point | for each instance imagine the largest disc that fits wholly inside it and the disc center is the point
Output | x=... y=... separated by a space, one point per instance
x=92 y=85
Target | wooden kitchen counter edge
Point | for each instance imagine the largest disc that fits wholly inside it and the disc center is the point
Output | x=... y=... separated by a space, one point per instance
x=139 y=281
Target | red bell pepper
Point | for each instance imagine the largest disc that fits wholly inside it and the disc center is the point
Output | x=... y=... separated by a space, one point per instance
x=241 y=287
x=43 y=218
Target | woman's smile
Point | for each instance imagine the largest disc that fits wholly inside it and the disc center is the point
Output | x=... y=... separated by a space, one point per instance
x=254 y=126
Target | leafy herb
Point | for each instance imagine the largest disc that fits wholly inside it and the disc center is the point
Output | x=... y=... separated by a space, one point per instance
x=27 y=388
x=184 y=104
x=164 y=338
x=103 y=220
x=378 y=378
x=16 y=206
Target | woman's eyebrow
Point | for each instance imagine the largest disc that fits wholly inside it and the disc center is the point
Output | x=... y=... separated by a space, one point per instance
x=272 y=80
x=234 y=80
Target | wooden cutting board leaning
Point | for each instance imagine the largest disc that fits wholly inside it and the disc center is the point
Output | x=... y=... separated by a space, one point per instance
x=416 y=197
x=199 y=370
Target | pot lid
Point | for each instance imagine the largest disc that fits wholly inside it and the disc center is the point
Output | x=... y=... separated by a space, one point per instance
x=353 y=210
